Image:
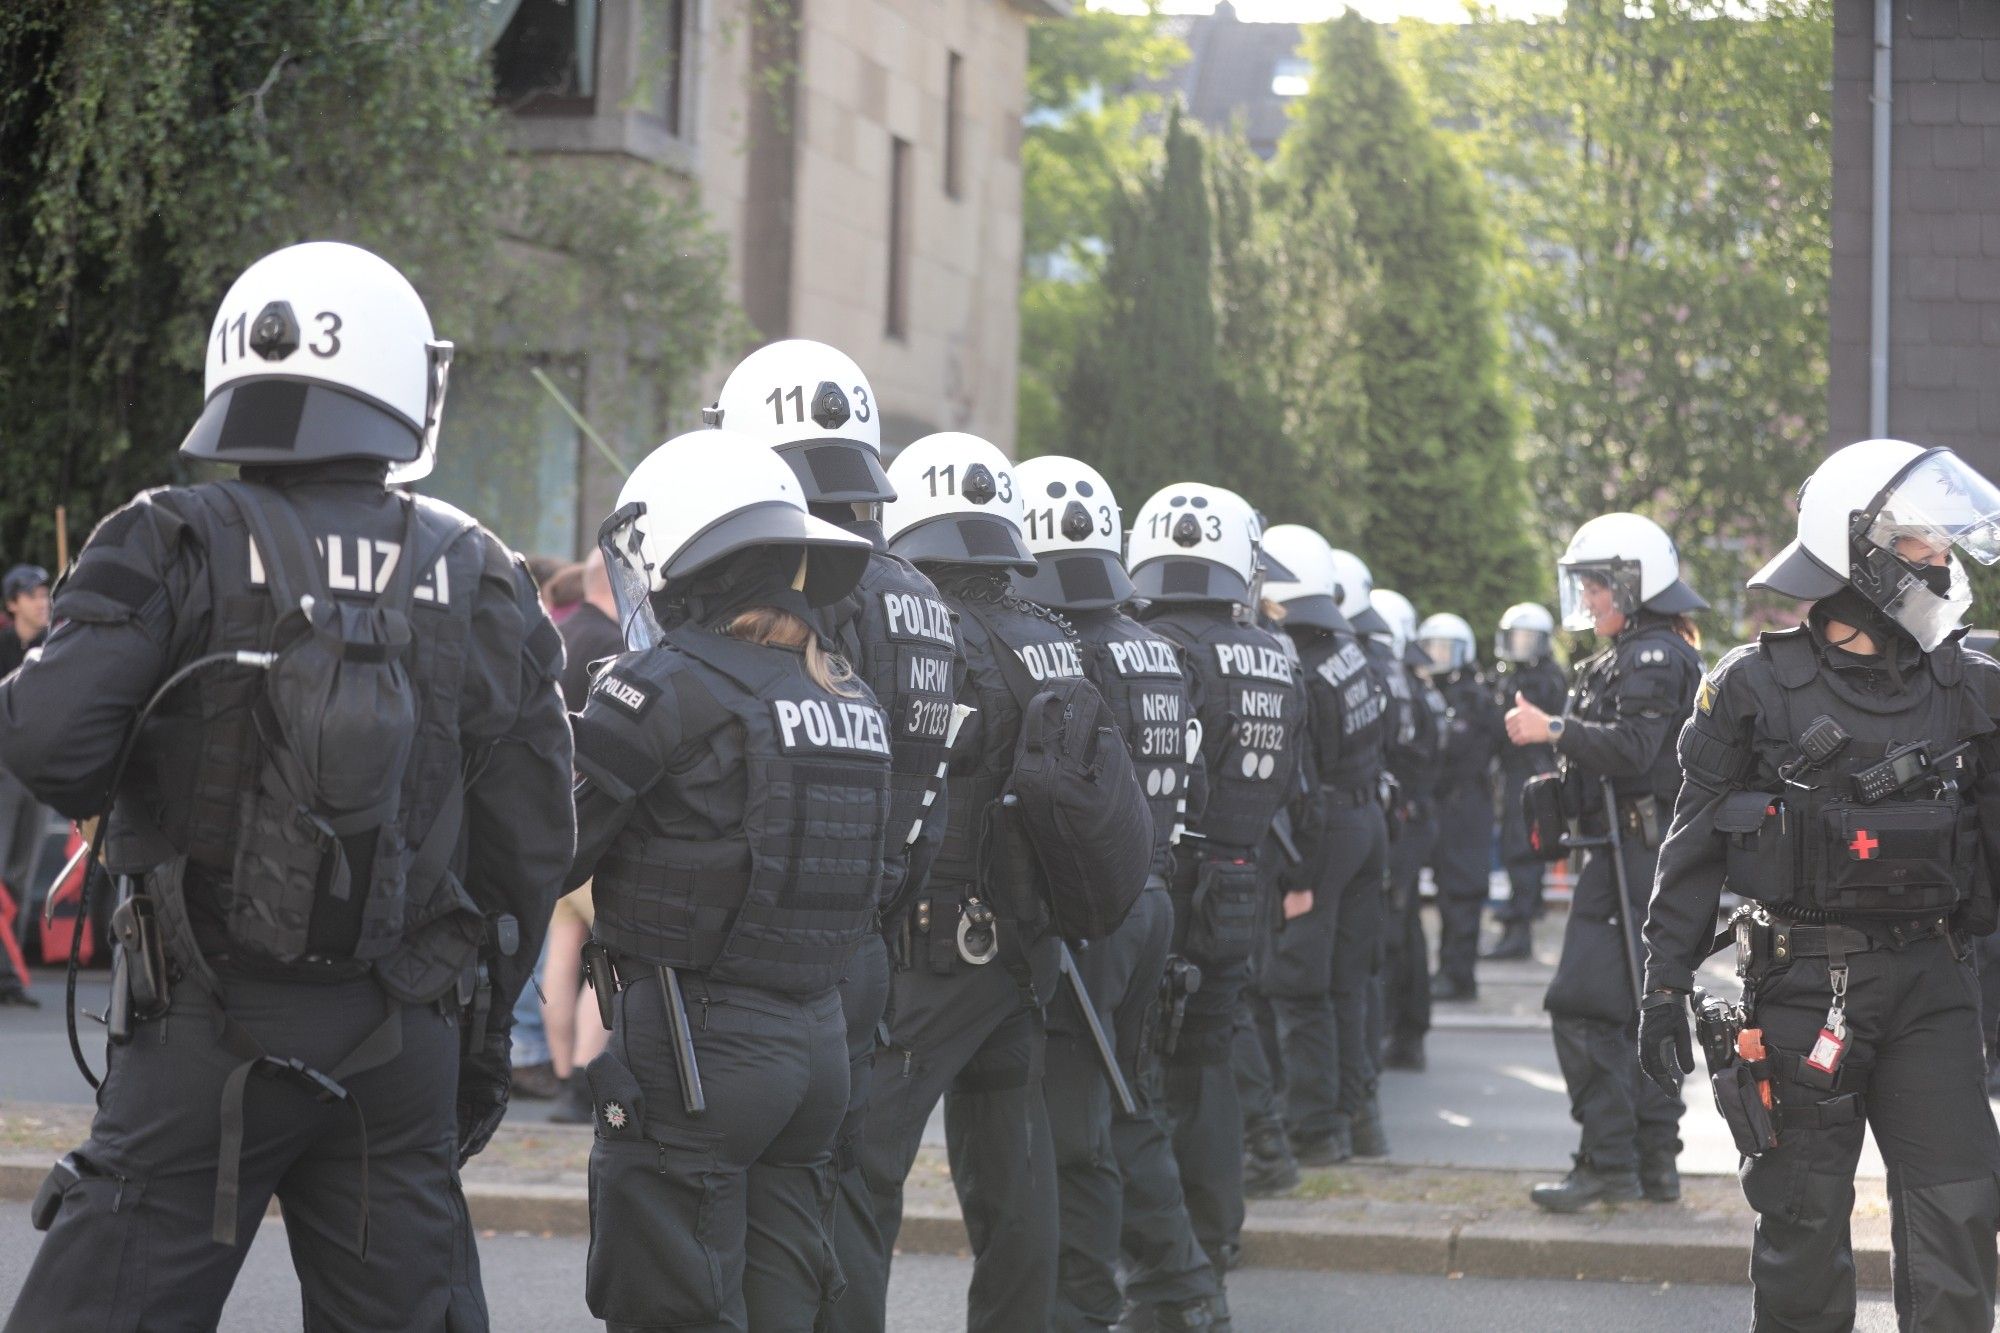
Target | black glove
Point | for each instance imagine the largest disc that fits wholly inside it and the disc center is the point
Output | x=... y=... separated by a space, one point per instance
x=1666 y=1047
x=485 y=1077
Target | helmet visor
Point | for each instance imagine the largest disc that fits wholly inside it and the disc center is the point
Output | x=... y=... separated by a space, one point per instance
x=1938 y=503
x=1521 y=645
x=1593 y=588
x=631 y=579
x=401 y=474
x=1445 y=654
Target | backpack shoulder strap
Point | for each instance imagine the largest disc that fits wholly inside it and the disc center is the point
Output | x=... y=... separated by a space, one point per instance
x=1019 y=683
x=291 y=562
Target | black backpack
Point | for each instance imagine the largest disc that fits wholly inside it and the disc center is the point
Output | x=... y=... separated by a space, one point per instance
x=1075 y=797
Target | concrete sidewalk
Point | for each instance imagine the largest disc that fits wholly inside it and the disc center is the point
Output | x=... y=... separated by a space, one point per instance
x=1376 y=1218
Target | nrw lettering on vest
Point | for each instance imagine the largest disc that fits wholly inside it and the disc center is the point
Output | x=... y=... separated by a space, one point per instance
x=814 y=724
x=929 y=675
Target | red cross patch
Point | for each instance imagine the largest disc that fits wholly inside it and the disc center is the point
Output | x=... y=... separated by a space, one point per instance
x=1864 y=845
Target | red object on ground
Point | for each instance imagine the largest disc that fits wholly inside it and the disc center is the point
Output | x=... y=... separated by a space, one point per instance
x=9 y=910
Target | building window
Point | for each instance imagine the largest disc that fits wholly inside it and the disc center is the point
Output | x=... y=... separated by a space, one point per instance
x=545 y=59
x=954 y=100
x=898 y=323
x=1291 y=77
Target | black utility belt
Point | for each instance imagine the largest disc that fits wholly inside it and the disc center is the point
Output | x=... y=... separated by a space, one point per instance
x=1764 y=941
x=1341 y=794
x=1638 y=817
x=945 y=929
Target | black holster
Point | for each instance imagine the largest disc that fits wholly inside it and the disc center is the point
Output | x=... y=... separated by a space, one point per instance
x=1741 y=1102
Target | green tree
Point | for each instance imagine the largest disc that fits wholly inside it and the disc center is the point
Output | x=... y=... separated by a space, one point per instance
x=1429 y=473
x=1140 y=403
x=1664 y=187
x=1092 y=124
x=149 y=149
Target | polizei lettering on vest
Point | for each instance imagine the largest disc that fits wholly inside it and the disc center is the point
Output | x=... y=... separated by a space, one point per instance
x=914 y=617
x=818 y=725
x=1048 y=660
x=1144 y=657
x=929 y=675
x=1253 y=660
x=364 y=564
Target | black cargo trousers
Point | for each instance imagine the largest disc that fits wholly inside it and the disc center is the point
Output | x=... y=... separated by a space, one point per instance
x=973 y=1036
x=717 y=1220
x=1116 y=1173
x=132 y=1211
x=1914 y=1071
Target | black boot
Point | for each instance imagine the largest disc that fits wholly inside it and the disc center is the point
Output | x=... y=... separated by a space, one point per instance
x=1192 y=1315
x=1659 y=1175
x=1585 y=1185
x=1517 y=941
x=574 y=1105
x=1268 y=1168
x=1331 y=1150
x=1367 y=1135
x=1404 y=1053
x=1447 y=987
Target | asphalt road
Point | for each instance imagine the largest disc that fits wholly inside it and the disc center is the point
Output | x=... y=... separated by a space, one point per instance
x=536 y=1286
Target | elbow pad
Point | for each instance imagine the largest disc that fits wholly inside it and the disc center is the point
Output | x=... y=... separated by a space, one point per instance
x=1710 y=761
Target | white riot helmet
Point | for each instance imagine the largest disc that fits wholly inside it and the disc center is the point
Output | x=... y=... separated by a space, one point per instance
x=1356 y=583
x=956 y=503
x=1310 y=593
x=1872 y=516
x=1194 y=543
x=689 y=505
x=1525 y=634
x=1447 y=641
x=812 y=404
x=1072 y=524
x=1635 y=558
x=322 y=351
x=1399 y=615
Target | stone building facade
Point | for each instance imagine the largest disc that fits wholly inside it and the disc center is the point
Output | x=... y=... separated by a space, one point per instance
x=862 y=159
x=1944 y=225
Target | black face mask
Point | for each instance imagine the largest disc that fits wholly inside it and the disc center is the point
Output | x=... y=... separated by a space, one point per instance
x=1851 y=608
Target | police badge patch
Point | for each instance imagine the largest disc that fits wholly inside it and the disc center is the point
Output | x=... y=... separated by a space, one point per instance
x=614 y=1116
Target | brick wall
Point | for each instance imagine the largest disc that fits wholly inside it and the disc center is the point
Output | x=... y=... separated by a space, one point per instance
x=1944 y=237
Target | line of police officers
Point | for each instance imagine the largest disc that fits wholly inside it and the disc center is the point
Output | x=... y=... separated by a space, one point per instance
x=322 y=713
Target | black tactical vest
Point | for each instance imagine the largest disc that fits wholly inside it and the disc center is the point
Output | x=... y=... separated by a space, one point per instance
x=199 y=759
x=1818 y=840
x=1139 y=675
x=906 y=648
x=1351 y=716
x=1466 y=735
x=781 y=896
x=1543 y=684
x=1251 y=780
x=1044 y=643
x=1652 y=659
x=1414 y=749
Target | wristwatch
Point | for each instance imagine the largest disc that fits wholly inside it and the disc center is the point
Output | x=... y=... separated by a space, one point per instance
x=1556 y=726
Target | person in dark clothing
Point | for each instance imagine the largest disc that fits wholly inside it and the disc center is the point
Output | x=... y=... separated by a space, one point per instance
x=732 y=800
x=1413 y=756
x=900 y=638
x=974 y=951
x=1524 y=665
x=1074 y=529
x=25 y=589
x=590 y=633
x=1844 y=778
x=338 y=836
x=1620 y=576
x=1473 y=735
x=1321 y=984
x=23 y=820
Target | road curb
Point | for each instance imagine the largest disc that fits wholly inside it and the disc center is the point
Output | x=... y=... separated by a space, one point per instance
x=1566 y=1249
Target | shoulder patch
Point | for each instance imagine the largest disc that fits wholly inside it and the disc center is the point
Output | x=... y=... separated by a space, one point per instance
x=1704 y=697
x=628 y=694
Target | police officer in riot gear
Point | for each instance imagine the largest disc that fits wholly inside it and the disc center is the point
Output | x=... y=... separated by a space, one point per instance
x=1524 y=664
x=1842 y=777
x=1320 y=986
x=1462 y=857
x=732 y=797
x=813 y=405
x=1620 y=577
x=974 y=954
x=1193 y=557
x=1413 y=755
x=1073 y=526
x=337 y=838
